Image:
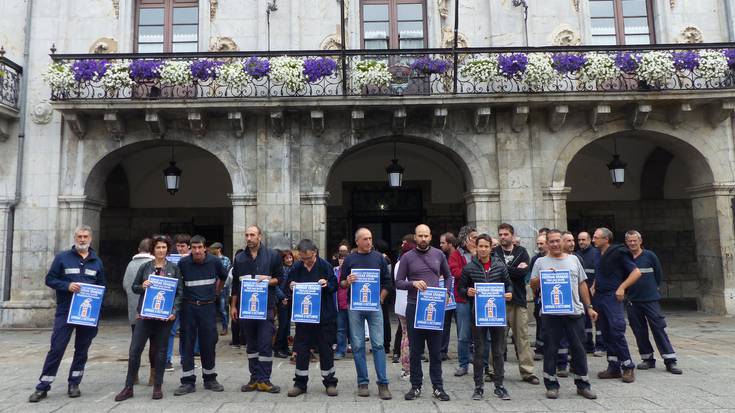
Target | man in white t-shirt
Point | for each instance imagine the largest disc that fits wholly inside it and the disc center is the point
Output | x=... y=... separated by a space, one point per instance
x=570 y=326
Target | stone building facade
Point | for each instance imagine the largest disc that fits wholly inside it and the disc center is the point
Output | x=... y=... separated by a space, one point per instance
x=313 y=165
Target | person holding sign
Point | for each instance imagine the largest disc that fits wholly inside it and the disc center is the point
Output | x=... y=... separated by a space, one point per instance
x=314 y=269
x=564 y=298
x=264 y=265
x=366 y=274
x=421 y=268
x=70 y=269
x=159 y=285
x=486 y=269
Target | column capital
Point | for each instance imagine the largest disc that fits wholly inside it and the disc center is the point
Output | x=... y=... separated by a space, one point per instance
x=246 y=199
x=711 y=189
x=482 y=195
x=314 y=198
x=556 y=192
x=80 y=202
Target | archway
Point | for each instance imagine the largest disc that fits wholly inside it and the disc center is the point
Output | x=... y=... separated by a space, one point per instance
x=434 y=185
x=656 y=200
x=135 y=204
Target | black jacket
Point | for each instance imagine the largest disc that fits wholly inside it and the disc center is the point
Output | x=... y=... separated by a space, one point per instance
x=321 y=269
x=517 y=275
x=474 y=272
x=171 y=270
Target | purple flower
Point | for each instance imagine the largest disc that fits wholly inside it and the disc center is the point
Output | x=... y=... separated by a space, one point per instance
x=688 y=60
x=317 y=68
x=257 y=67
x=512 y=65
x=730 y=56
x=567 y=62
x=627 y=61
x=141 y=70
x=204 y=69
x=427 y=65
x=89 y=69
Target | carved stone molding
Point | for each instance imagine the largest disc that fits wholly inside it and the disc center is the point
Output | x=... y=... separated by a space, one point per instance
x=672 y=4
x=448 y=38
x=213 y=9
x=116 y=8
x=575 y=4
x=222 y=44
x=564 y=35
x=443 y=8
x=103 y=45
x=42 y=113
x=691 y=34
x=332 y=41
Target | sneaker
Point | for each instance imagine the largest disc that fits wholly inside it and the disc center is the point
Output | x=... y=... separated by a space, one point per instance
x=646 y=364
x=331 y=390
x=424 y=358
x=562 y=372
x=396 y=358
x=461 y=371
x=124 y=394
x=384 y=392
x=73 y=391
x=37 y=396
x=599 y=353
x=673 y=369
x=552 y=393
x=478 y=393
x=268 y=387
x=489 y=376
x=501 y=393
x=281 y=354
x=413 y=394
x=296 y=391
x=169 y=367
x=185 y=389
x=628 y=376
x=405 y=376
x=538 y=356
x=362 y=390
x=213 y=385
x=531 y=379
x=252 y=385
x=609 y=374
x=586 y=393
x=440 y=394
x=339 y=356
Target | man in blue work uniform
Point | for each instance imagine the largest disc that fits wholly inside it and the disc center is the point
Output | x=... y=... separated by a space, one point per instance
x=265 y=265
x=644 y=309
x=313 y=268
x=615 y=272
x=80 y=264
x=590 y=257
x=203 y=275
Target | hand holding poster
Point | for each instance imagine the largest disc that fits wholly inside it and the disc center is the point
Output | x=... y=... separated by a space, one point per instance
x=158 y=299
x=490 y=305
x=365 y=292
x=253 y=299
x=307 y=303
x=451 y=304
x=556 y=292
x=430 y=305
x=85 y=305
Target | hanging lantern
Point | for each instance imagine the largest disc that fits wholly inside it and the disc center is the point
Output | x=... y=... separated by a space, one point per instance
x=172 y=176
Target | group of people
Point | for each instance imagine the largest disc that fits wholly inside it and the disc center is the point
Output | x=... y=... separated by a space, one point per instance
x=609 y=280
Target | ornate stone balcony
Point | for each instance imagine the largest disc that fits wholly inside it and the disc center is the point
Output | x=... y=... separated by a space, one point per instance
x=10 y=74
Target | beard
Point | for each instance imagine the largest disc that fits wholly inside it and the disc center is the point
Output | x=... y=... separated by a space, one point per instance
x=81 y=247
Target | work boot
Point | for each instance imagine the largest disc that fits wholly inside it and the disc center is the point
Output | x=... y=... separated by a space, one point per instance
x=331 y=390
x=252 y=385
x=646 y=364
x=157 y=393
x=384 y=392
x=268 y=387
x=673 y=369
x=552 y=393
x=152 y=377
x=532 y=379
x=628 y=376
x=185 y=388
x=124 y=394
x=73 y=391
x=37 y=396
x=609 y=374
x=296 y=391
x=362 y=390
x=586 y=393
x=213 y=385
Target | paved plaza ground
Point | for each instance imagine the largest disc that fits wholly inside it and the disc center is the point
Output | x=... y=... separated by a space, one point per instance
x=704 y=345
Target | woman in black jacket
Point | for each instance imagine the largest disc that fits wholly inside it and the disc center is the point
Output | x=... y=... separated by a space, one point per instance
x=484 y=269
x=157 y=330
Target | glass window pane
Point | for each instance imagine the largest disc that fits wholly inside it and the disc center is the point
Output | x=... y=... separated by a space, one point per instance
x=376 y=30
x=636 y=25
x=604 y=40
x=410 y=12
x=150 y=34
x=150 y=47
x=185 y=33
x=603 y=8
x=638 y=39
x=186 y=15
x=184 y=47
x=410 y=30
x=150 y=16
x=603 y=26
x=376 y=44
x=372 y=12
x=411 y=43
x=634 y=8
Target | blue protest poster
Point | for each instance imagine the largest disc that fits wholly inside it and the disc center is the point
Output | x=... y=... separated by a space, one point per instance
x=158 y=299
x=556 y=292
x=490 y=305
x=306 y=304
x=451 y=304
x=85 y=305
x=430 y=305
x=365 y=292
x=253 y=299
x=174 y=258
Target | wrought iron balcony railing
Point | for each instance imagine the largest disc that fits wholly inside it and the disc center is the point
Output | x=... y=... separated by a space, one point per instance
x=10 y=74
x=468 y=71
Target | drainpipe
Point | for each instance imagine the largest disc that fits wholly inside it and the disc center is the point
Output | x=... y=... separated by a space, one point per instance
x=730 y=16
x=21 y=143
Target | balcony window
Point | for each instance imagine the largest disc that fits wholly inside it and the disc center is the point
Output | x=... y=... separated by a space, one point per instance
x=393 y=24
x=621 y=22
x=167 y=26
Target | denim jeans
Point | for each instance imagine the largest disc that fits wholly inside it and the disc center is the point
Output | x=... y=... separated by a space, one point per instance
x=464 y=333
x=223 y=308
x=343 y=332
x=357 y=334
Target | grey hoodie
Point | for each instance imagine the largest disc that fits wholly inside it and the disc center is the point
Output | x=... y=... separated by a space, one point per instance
x=130 y=272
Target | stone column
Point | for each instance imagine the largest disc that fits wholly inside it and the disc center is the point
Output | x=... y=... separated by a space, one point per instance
x=314 y=218
x=483 y=208
x=5 y=204
x=555 y=206
x=75 y=210
x=244 y=213
x=712 y=211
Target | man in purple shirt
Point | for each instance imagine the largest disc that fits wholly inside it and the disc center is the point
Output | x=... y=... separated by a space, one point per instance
x=421 y=268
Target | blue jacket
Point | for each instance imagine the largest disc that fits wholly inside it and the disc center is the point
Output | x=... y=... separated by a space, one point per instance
x=646 y=288
x=322 y=269
x=590 y=256
x=69 y=267
x=613 y=268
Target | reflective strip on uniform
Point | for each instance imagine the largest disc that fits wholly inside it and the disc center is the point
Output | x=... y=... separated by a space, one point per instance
x=598 y=333
x=198 y=283
x=539 y=343
x=187 y=373
x=549 y=377
x=563 y=351
x=583 y=378
x=72 y=271
x=587 y=330
x=303 y=373
x=647 y=356
x=77 y=373
x=252 y=355
x=90 y=272
x=261 y=358
x=206 y=371
x=48 y=379
x=328 y=372
x=589 y=270
x=646 y=270
x=612 y=358
x=669 y=356
x=628 y=363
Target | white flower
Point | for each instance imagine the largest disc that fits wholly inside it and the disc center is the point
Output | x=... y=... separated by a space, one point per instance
x=176 y=73
x=539 y=72
x=481 y=70
x=655 y=67
x=600 y=67
x=712 y=64
x=289 y=71
x=371 y=73
x=117 y=77
x=233 y=75
x=59 y=77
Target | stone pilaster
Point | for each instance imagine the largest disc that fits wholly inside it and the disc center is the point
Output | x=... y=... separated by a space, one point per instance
x=555 y=206
x=483 y=208
x=75 y=210
x=5 y=204
x=314 y=218
x=244 y=213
